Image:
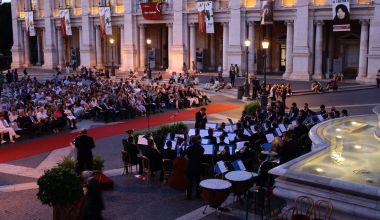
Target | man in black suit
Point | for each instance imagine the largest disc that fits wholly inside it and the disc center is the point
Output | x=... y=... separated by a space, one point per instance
x=290 y=149
x=201 y=118
x=255 y=88
x=300 y=129
x=84 y=145
x=94 y=202
x=194 y=154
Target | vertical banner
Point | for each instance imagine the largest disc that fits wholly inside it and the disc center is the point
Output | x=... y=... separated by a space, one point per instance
x=29 y=23
x=105 y=20
x=64 y=15
x=266 y=12
x=341 y=15
x=209 y=16
x=205 y=17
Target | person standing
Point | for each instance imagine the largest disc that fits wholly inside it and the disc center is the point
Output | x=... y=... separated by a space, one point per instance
x=237 y=70
x=94 y=202
x=194 y=154
x=255 y=87
x=201 y=118
x=84 y=145
x=232 y=75
x=378 y=79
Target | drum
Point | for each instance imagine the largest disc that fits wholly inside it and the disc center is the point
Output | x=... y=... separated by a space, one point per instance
x=215 y=191
x=241 y=181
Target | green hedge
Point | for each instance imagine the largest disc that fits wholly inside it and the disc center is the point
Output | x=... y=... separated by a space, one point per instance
x=252 y=107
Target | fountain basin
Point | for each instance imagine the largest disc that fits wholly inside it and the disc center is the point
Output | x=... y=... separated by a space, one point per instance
x=343 y=168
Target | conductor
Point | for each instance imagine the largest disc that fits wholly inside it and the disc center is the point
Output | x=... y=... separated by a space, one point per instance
x=201 y=119
x=84 y=145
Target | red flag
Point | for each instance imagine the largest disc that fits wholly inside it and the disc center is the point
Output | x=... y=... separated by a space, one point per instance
x=201 y=21
x=151 y=10
x=63 y=26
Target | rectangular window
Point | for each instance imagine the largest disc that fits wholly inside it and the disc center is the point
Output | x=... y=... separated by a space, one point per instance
x=283 y=55
x=33 y=4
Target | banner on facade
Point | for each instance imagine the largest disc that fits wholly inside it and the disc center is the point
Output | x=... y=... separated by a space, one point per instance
x=29 y=23
x=341 y=15
x=266 y=12
x=151 y=10
x=205 y=17
x=105 y=20
x=64 y=15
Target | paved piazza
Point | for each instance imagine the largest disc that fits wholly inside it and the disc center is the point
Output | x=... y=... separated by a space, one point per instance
x=133 y=199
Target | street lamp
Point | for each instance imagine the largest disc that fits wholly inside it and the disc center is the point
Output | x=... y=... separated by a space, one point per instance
x=264 y=96
x=149 y=72
x=247 y=43
x=112 y=41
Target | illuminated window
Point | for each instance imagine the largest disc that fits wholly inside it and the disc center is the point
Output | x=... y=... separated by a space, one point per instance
x=104 y=3
x=250 y=3
x=319 y=2
x=364 y=2
x=288 y=3
x=33 y=4
x=68 y=3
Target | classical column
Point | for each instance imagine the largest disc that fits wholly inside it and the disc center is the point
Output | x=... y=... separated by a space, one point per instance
x=61 y=59
x=289 y=49
x=26 y=49
x=142 y=47
x=331 y=51
x=318 y=50
x=49 y=52
x=38 y=48
x=225 y=47
x=362 y=71
x=17 y=48
x=251 y=49
x=170 y=45
x=269 y=50
x=236 y=37
x=212 y=51
x=87 y=53
x=98 y=48
x=124 y=56
x=192 y=45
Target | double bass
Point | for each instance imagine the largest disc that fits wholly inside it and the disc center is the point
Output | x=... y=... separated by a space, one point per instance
x=178 y=180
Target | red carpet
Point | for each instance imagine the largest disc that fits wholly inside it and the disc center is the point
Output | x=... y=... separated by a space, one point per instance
x=38 y=146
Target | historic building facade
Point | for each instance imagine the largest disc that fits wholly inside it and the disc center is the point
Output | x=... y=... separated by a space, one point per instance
x=302 y=43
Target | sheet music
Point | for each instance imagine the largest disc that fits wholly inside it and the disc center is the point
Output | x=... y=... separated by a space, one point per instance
x=222 y=167
x=226 y=140
x=294 y=123
x=269 y=137
x=208 y=149
x=320 y=117
x=247 y=133
x=229 y=128
x=205 y=141
x=180 y=135
x=211 y=125
x=173 y=144
x=282 y=127
x=203 y=132
x=191 y=132
x=278 y=131
x=231 y=136
x=240 y=145
x=142 y=140
x=253 y=129
x=230 y=148
x=218 y=133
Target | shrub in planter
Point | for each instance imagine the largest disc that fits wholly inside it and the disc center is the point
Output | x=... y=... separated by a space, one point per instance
x=59 y=186
x=68 y=163
x=252 y=107
x=97 y=163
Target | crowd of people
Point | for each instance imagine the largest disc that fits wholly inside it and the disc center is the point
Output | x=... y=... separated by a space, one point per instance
x=286 y=132
x=30 y=106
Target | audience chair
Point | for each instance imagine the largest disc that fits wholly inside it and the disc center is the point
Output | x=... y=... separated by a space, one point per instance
x=128 y=165
x=167 y=167
x=146 y=168
x=303 y=208
x=322 y=210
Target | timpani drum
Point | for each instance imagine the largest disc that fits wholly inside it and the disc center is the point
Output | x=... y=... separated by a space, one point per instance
x=241 y=181
x=215 y=191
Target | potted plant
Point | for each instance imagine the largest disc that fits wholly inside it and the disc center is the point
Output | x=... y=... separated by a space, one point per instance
x=62 y=189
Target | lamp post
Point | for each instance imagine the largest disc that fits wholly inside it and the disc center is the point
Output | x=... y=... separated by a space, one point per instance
x=148 y=72
x=247 y=43
x=112 y=41
x=264 y=96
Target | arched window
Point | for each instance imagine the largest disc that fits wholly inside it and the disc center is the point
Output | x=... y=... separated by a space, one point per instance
x=68 y=3
x=33 y=5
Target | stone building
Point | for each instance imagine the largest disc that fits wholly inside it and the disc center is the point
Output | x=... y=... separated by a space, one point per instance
x=302 y=44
